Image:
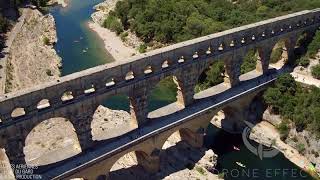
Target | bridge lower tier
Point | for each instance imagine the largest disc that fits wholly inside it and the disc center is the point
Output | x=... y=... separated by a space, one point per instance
x=76 y=166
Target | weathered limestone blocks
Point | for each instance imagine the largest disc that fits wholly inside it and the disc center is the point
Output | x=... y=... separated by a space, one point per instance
x=264 y=57
x=232 y=74
x=195 y=139
x=151 y=163
x=139 y=106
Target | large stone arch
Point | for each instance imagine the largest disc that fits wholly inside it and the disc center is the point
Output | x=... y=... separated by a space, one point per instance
x=46 y=139
x=111 y=119
x=149 y=162
x=172 y=103
x=18 y=134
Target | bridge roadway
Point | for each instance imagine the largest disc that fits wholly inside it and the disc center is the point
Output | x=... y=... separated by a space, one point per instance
x=70 y=167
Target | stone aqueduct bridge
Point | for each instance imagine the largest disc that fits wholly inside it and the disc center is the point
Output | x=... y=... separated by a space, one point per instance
x=136 y=78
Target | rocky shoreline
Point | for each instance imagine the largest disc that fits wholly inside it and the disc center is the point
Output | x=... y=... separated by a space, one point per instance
x=37 y=62
x=63 y=3
x=305 y=156
x=119 y=49
x=30 y=59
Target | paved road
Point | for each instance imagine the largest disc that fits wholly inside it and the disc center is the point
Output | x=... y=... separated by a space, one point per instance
x=103 y=151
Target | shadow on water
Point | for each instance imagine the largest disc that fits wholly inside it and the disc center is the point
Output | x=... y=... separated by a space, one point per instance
x=276 y=168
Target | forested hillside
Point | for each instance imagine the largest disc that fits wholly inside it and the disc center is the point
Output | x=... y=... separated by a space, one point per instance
x=170 y=21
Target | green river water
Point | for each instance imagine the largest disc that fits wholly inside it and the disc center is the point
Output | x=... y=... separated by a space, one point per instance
x=81 y=48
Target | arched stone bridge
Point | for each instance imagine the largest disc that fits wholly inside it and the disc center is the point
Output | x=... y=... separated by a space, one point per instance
x=76 y=96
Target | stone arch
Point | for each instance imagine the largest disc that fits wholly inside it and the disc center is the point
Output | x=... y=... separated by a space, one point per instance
x=137 y=160
x=148 y=70
x=214 y=68
x=129 y=76
x=279 y=55
x=46 y=139
x=43 y=104
x=165 y=98
x=192 y=136
x=230 y=119
x=113 y=118
x=110 y=82
x=90 y=89
x=165 y=64
x=256 y=108
x=18 y=112
x=67 y=96
x=250 y=64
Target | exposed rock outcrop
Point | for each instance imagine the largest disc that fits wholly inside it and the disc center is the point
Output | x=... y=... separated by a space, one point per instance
x=109 y=123
x=301 y=148
x=32 y=59
x=178 y=160
x=63 y=3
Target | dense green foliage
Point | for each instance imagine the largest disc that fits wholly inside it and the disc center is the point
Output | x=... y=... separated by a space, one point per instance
x=249 y=62
x=179 y=20
x=213 y=76
x=40 y=3
x=296 y=103
x=113 y=24
x=314 y=46
x=316 y=71
x=4 y=24
x=276 y=54
x=304 y=61
x=283 y=129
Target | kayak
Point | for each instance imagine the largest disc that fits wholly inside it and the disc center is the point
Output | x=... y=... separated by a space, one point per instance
x=240 y=164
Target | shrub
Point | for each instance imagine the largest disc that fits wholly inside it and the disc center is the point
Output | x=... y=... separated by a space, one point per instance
x=304 y=61
x=112 y=23
x=273 y=142
x=301 y=148
x=124 y=36
x=314 y=46
x=200 y=170
x=4 y=24
x=283 y=130
x=40 y=3
x=143 y=48
x=276 y=55
x=221 y=175
x=48 y=72
x=316 y=71
x=46 y=41
x=249 y=62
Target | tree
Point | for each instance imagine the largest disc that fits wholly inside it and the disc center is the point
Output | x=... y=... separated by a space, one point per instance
x=314 y=46
x=4 y=24
x=40 y=3
x=249 y=62
x=316 y=71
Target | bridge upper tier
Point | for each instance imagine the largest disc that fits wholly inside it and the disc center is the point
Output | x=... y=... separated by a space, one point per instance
x=157 y=63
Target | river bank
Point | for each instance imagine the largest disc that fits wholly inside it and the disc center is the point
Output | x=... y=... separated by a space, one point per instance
x=301 y=148
x=29 y=59
x=117 y=47
x=63 y=3
x=113 y=43
x=37 y=62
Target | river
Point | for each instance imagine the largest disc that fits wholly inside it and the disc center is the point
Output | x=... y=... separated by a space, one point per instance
x=80 y=48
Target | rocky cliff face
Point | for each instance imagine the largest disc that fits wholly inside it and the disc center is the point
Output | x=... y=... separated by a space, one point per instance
x=302 y=148
x=32 y=59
